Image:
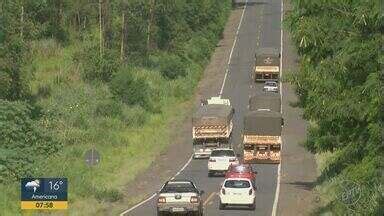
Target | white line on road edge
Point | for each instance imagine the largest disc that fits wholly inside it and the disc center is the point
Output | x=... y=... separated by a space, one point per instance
x=233 y=47
x=153 y=195
x=182 y=168
x=138 y=204
x=276 y=201
x=221 y=91
x=209 y=198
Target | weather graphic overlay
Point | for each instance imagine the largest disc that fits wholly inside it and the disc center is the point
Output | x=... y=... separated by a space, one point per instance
x=44 y=193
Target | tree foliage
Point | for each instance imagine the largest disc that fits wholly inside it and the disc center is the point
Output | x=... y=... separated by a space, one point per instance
x=340 y=87
x=22 y=141
x=129 y=89
x=103 y=43
x=96 y=67
x=13 y=54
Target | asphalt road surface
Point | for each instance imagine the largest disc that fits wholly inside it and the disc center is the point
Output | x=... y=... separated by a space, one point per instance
x=260 y=28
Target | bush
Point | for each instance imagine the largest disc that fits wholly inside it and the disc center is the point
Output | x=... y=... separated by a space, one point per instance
x=76 y=104
x=198 y=49
x=22 y=141
x=172 y=66
x=95 y=67
x=109 y=107
x=44 y=91
x=135 y=116
x=109 y=195
x=5 y=85
x=46 y=48
x=56 y=31
x=129 y=89
x=14 y=76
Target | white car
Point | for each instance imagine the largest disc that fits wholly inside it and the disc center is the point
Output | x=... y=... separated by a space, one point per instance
x=271 y=86
x=237 y=192
x=220 y=159
x=202 y=153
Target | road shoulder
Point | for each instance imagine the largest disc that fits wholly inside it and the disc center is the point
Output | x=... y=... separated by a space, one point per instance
x=174 y=157
x=298 y=174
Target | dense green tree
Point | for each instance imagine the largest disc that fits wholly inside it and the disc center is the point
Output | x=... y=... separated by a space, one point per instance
x=340 y=90
x=22 y=141
x=13 y=53
x=130 y=90
x=96 y=67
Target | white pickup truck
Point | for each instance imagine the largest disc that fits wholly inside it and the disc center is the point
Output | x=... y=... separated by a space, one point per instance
x=211 y=126
x=179 y=196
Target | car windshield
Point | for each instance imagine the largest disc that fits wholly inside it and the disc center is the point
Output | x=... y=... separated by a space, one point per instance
x=223 y=153
x=271 y=84
x=241 y=169
x=178 y=187
x=237 y=184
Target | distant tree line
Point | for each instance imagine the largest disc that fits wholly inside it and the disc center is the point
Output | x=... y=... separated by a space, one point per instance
x=124 y=29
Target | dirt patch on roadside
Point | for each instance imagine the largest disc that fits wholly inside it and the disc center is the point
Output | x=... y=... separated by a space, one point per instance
x=168 y=162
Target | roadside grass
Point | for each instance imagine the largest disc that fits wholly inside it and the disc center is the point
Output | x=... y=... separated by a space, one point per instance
x=9 y=198
x=85 y=116
x=326 y=190
x=346 y=193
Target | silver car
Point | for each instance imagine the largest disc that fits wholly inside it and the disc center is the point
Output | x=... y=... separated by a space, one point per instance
x=179 y=196
x=271 y=86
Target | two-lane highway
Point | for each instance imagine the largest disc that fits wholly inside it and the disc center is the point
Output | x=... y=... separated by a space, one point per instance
x=260 y=28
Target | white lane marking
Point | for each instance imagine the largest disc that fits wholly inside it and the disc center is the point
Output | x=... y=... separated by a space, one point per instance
x=233 y=47
x=209 y=198
x=221 y=91
x=277 y=193
x=153 y=195
x=182 y=168
x=138 y=204
x=222 y=86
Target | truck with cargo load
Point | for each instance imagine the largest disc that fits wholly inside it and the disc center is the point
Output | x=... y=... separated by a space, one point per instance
x=267 y=64
x=262 y=136
x=211 y=126
x=265 y=100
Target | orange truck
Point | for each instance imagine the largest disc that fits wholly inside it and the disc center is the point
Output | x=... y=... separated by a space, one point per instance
x=262 y=137
x=267 y=64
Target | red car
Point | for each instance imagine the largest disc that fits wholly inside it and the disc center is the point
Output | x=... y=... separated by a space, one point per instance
x=241 y=171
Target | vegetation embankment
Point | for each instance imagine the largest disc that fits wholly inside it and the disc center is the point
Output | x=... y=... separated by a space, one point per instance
x=339 y=85
x=109 y=75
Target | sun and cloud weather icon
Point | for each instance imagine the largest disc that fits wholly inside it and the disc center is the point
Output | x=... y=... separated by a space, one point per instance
x=33 y=185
